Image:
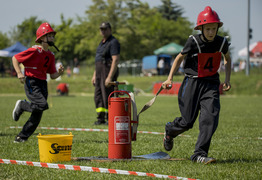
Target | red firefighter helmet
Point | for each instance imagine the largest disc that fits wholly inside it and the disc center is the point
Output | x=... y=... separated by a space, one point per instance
x=206 y=17
x=43 y=29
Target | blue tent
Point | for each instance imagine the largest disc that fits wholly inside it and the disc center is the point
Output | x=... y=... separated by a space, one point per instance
x=12 y=50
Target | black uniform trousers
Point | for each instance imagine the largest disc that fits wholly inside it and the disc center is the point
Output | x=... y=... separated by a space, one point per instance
x=101 y=92
x=197 y=95
x=36 y=92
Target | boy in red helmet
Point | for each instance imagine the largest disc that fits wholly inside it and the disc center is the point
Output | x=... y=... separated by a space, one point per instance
x=199 y=91
x=38 y=61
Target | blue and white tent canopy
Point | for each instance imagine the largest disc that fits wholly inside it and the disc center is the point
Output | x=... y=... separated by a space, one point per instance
x=12 y=50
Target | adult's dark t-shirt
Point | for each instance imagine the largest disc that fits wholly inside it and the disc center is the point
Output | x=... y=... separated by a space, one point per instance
x=106 y=50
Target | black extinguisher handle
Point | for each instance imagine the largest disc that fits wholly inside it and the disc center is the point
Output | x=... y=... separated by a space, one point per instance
x=115 y=84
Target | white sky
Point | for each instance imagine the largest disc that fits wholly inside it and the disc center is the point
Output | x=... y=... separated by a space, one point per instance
x=233 y=13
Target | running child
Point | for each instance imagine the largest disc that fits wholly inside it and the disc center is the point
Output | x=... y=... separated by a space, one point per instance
x=199 y=92
x=38 y=61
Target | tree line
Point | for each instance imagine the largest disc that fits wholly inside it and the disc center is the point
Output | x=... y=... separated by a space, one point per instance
x=139 y=28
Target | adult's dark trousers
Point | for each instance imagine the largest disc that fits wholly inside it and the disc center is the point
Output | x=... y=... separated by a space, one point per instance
x=37 y=93
x=102 y=92
x=197 y=95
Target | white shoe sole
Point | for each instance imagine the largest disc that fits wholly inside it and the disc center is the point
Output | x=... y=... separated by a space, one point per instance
x=13 y=114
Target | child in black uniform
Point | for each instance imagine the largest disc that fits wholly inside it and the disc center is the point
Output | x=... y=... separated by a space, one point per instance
x=38 y=61
x=199 y=91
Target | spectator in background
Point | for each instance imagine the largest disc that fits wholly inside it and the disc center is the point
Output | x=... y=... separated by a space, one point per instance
x=68 y=71
x=161 y=66
x=242 y=65
x=76 y=69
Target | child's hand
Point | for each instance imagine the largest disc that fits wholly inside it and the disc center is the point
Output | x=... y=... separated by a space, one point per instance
x=167 y=84
x=61 y=69
x=21 y=77
x=226 y=86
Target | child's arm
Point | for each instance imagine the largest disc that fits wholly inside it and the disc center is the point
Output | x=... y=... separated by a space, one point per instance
x=227 y=62
x=17 y=68
x=178 y=60
x=58 y=73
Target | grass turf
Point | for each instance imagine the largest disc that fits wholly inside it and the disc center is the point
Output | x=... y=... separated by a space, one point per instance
x=235 y=144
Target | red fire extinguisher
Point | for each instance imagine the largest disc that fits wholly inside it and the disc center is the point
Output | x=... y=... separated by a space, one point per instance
x=119 y=126
x=120 y=129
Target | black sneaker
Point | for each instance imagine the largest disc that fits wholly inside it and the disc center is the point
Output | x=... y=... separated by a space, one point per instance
x=204 y=160
x=17 y=112
x=168 y=142
x=18 y=139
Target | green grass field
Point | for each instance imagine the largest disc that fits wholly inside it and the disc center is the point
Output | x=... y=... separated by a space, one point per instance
x=237 y=143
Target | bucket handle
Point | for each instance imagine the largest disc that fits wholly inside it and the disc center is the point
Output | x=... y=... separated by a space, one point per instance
x=119 y=91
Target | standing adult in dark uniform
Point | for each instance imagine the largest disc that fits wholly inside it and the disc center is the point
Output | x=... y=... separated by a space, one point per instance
x=106 y=71
x=199 y=92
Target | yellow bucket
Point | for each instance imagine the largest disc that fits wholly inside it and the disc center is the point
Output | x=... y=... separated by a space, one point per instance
x=55 y=147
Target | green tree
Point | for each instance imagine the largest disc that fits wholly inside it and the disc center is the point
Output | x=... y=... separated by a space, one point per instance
x=75 y=40
x=170 y=10
x=4 y=40
x=4 y=43
x=139 y=28
x=147 y=30
x=100 y=11
x=65 y=40
x=26 y=31
x=88 y=41
x=133 y=31
x=109 y=10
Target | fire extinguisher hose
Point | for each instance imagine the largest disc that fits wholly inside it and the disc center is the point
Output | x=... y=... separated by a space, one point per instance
x=151 y=102
x=136 y=116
